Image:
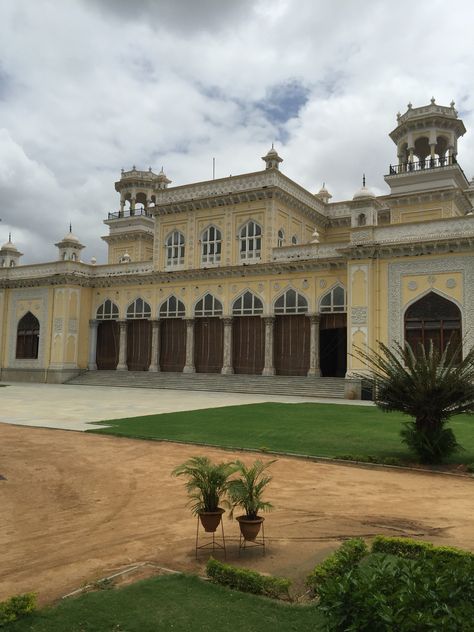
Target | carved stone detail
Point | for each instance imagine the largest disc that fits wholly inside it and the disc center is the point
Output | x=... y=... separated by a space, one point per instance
x=412 y=285
x=451 y=284
x=359 y=315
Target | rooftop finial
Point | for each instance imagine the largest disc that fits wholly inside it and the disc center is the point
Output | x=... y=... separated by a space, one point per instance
x=70 y=227
x=452 y=104
x=432 y=100
x=10 y=237
x=363 y=180
x=273 y=146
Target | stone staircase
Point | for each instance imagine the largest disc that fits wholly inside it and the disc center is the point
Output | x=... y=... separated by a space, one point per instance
x=326 y=387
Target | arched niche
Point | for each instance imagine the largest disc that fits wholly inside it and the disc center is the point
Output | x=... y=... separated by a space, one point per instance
x=27 y=337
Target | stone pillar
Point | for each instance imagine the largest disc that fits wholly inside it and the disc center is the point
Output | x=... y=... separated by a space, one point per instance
x=122 y=363
x=269 y=369
x=189 y=366
x=155 y=347
x=227 y=365
x=314 y=346
x=93 y=326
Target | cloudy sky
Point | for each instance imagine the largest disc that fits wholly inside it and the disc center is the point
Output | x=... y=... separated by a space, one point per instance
x=90 y=86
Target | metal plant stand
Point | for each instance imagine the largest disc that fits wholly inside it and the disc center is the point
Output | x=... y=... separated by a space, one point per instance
x=251 y=544
x=214 y=544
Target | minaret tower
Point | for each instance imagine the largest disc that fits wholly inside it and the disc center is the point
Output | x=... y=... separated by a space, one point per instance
x=272 y=159
x=9 y=254
x=69 y=247
x=427 y=145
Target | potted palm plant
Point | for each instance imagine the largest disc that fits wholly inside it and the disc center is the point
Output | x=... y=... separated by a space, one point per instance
x=206 y=485
x=246 y=492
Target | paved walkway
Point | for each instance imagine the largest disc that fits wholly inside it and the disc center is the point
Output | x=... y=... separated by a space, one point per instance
x=72 y=407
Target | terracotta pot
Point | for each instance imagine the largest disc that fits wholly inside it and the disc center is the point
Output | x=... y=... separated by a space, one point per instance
x=249 y=528
x=210 y=520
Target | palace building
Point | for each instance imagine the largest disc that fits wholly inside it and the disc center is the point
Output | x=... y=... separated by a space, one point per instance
x=254 y=274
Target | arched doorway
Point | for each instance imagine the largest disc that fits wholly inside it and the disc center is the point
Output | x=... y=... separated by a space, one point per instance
x=27 y=337
x=433 y=319
x=173 y=335
x=107 y=354
x=208 y=335
x=333 y=333
x=248 y=334
x=138 y=335
x=292 y=333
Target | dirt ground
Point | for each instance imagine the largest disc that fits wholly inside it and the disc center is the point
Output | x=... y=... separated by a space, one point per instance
x=76 y=507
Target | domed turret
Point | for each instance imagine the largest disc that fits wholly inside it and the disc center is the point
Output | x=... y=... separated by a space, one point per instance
x=272 y=159
x=363 y=192
x=69 y=247
x=9 y=254
x=323 y=194
x=162 y=180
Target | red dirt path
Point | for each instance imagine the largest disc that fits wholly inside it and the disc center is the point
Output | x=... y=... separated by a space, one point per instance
x=76 y=507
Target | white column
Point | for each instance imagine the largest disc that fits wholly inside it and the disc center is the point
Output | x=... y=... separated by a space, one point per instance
x=227 y=367
x=189 y=366
x=122 y=363
x=269 y=369
x=314 y=345
x=155 y=347
x=93 y=326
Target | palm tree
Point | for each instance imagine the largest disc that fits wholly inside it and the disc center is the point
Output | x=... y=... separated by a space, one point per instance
x=429 y=386
x=247 y=490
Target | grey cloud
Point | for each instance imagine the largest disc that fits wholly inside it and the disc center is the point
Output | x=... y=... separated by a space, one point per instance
x=179 y=15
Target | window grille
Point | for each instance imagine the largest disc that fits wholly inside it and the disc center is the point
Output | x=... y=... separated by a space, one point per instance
x=139 y=309
x=209 y=305
x=291 y=302
x=175 y=249
x=107 y=311
x=211 y=245
x=250 y=241
x=334 y=300
x=172 y=308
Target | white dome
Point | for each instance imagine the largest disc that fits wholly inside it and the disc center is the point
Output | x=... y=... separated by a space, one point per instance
x=362 y=193
x=70 y=237
x=9 y=246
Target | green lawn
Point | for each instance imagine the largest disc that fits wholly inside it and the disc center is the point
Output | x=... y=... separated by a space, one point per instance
x=179 y=603
x=314 y=429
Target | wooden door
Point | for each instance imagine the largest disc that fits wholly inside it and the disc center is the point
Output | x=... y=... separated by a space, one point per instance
x=138 y=344
x=108 y=336
x=291 y=345
x=248 y=344
x=208 y=345
x=172 y=344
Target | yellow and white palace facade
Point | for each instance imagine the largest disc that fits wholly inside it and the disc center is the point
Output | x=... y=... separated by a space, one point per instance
x=255 y=274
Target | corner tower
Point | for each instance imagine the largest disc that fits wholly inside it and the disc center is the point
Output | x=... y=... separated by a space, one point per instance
x=427 y=145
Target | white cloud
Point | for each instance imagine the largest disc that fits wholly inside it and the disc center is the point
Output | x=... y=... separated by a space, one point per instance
x=89 y=86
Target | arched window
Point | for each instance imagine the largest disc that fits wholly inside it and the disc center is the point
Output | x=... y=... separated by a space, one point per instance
x=211 y=245
x=433 y=319
x=247 y=305
x=250 y=236
x=281 y=238
x=73 y=257
x=27 y=337
x=175 y=249
x=139 y=309
x=291 y=302
x=209 y=305
x=107 y=311
x=294 y=240
x=361 y=220
x=172 y=308
x=334 y=300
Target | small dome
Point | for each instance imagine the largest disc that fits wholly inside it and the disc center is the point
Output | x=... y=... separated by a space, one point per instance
x=363 y=192
x=70 y=237
x=9 y=245
x=272 y=151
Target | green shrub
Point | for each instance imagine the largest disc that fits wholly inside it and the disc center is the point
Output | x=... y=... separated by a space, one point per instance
x=336 y=565
x=390 y=594
x=368 y=458
x=246 y=580
x=413 y=549
x=470 y=468
x=16 y=607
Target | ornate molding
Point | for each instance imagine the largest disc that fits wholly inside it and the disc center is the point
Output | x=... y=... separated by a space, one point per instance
x=396 y=272
x=359 y=315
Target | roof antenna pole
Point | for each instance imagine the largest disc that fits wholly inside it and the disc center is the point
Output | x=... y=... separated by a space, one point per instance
x=213 y=168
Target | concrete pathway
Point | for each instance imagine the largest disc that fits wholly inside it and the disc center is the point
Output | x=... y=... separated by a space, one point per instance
x=72 y=407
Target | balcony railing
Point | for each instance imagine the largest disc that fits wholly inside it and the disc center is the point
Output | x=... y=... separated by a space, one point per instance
x=422 y=165
x=129 y=212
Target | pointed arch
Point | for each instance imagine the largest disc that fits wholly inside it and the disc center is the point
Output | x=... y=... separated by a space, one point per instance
x=247 y=304
x=172 y=307
x=211 y=245
x=433 y=319
x=250 y=238
x=290 y=302
x=27 y=337
x=208 y=305
x=334 y=300
x=281 y=238
x=108 y=310
x=138 y=309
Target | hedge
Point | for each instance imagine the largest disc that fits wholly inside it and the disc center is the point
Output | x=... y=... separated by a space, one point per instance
x=246 y=580
x=16 y=607
x=413 y=549
x=336 y=565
